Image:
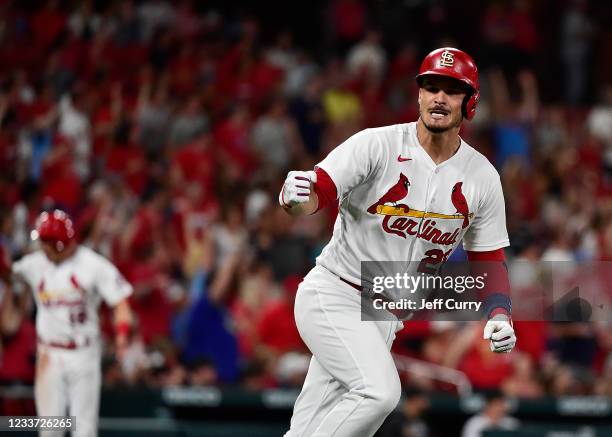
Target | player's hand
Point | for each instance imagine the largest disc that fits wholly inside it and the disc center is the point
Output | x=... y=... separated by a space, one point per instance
x=296 y=189
x=121 y=346
x=501 y=333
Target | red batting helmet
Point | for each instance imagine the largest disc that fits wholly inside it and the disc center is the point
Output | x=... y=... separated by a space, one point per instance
x=457 y=64
x=55 y=227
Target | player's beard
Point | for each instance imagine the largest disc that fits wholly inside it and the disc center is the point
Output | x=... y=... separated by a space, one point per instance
x=442 y=129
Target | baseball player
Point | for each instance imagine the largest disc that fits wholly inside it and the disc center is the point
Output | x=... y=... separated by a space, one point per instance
x=68 y=282
x=406 y=192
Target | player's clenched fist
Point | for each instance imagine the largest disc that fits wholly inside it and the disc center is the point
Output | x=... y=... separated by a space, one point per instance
x=296 y=189
x=501 y=333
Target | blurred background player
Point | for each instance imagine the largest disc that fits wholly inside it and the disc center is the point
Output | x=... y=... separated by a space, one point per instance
x=68 y=282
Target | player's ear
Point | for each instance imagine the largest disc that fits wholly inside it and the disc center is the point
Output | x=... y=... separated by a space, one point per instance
x=419 y=99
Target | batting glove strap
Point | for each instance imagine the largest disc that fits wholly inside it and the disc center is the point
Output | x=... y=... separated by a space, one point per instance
x=495 y=301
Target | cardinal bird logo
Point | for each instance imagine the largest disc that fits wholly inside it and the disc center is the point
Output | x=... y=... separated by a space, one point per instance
x=75 y=284
x=460 y=203
x=396 y=193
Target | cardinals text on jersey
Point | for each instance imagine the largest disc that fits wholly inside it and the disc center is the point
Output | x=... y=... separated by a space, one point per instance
x=410 y=209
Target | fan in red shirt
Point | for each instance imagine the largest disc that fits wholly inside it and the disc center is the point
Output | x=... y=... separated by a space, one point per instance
x=484 y=369
x=276 y=328
x=183 y=79
x=195 y=162
x=149 y=303
x=233 y=136
x=48 y=24
x=61 y=183
x=128 y=160
x=17 y=333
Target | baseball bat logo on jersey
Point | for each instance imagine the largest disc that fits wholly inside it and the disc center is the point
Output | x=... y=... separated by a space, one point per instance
x=399 y=218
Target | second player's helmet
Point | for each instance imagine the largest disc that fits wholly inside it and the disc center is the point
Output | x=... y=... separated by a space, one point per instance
x=451 y=62
x=55 y=227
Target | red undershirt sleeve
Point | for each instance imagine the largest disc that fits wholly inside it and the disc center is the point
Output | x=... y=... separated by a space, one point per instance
x=325 y=189
x=496 y=294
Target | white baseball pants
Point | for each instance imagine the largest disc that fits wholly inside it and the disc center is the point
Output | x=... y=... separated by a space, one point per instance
x=68 y=383
x=352 y=382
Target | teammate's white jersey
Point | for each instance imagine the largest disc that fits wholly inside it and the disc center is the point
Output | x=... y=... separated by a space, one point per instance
x=396 y=204
x=68 y=294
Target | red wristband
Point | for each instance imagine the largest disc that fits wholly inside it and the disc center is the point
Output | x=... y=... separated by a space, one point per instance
x=497 y=311
x=122 y=328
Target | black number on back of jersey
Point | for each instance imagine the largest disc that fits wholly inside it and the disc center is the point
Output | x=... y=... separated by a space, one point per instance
x=78 y=315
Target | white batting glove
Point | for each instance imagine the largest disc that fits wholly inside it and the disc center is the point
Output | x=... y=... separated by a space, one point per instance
x=501 y=333
x=296 y=189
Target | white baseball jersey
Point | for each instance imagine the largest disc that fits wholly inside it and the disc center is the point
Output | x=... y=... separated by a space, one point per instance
x=68 y=294
x=396 y=204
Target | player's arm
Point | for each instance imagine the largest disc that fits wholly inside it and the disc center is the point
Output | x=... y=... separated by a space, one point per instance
x=122 y=316
x=484 y=242
x=346 y=167
x=10 y=314
x=497 y=305
x=115 y=291
x=16 y=303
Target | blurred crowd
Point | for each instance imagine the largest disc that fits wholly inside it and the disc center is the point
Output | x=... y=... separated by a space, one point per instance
x=166 y=129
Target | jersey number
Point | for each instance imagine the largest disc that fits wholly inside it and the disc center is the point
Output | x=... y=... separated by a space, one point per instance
x=432 y=262
x=78 y=315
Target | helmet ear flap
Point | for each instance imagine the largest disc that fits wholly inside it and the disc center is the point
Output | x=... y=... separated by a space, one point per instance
x=470 y=101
